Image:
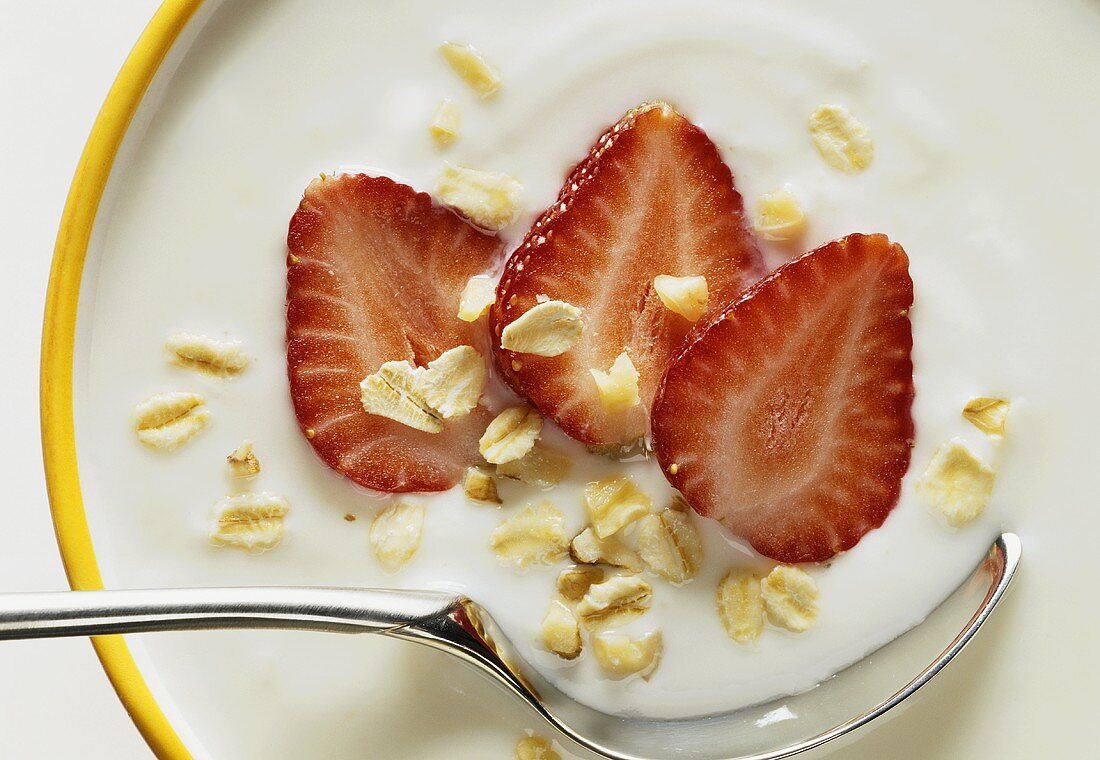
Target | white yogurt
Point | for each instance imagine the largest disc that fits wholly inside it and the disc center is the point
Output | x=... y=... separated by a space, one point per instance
x=194 y=238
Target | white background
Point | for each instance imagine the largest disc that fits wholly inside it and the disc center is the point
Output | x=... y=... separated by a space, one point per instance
x=57 y=61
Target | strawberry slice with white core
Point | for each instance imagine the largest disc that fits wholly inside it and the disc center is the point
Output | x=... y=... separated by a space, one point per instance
x=374 y=275
x=653 y=198
x=788 y=419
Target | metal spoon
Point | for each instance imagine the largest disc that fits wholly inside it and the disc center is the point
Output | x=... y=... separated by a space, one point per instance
x=459 y=626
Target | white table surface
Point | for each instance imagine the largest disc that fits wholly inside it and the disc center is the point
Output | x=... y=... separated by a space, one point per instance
x=57 y=58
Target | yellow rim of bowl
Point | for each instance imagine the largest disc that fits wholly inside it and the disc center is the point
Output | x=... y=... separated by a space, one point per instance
x=58 y=338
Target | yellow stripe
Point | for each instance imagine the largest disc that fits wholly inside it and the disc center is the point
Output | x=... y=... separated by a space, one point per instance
x=58 y=337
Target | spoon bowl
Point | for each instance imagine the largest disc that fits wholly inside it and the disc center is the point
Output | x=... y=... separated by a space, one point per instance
x=460 y=627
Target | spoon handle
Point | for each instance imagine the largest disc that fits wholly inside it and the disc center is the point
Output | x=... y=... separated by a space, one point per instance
x=337 y=610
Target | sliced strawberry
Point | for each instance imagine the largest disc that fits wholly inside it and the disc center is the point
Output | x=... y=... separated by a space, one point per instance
x=788 y=419
x=653 y=197
x=374 y=274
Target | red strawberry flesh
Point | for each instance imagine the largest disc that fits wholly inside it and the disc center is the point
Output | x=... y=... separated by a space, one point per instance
x=788 y=418
x=653 y=197
x=374 y=274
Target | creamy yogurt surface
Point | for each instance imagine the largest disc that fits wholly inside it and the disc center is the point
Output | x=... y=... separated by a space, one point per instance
x=192 y=238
